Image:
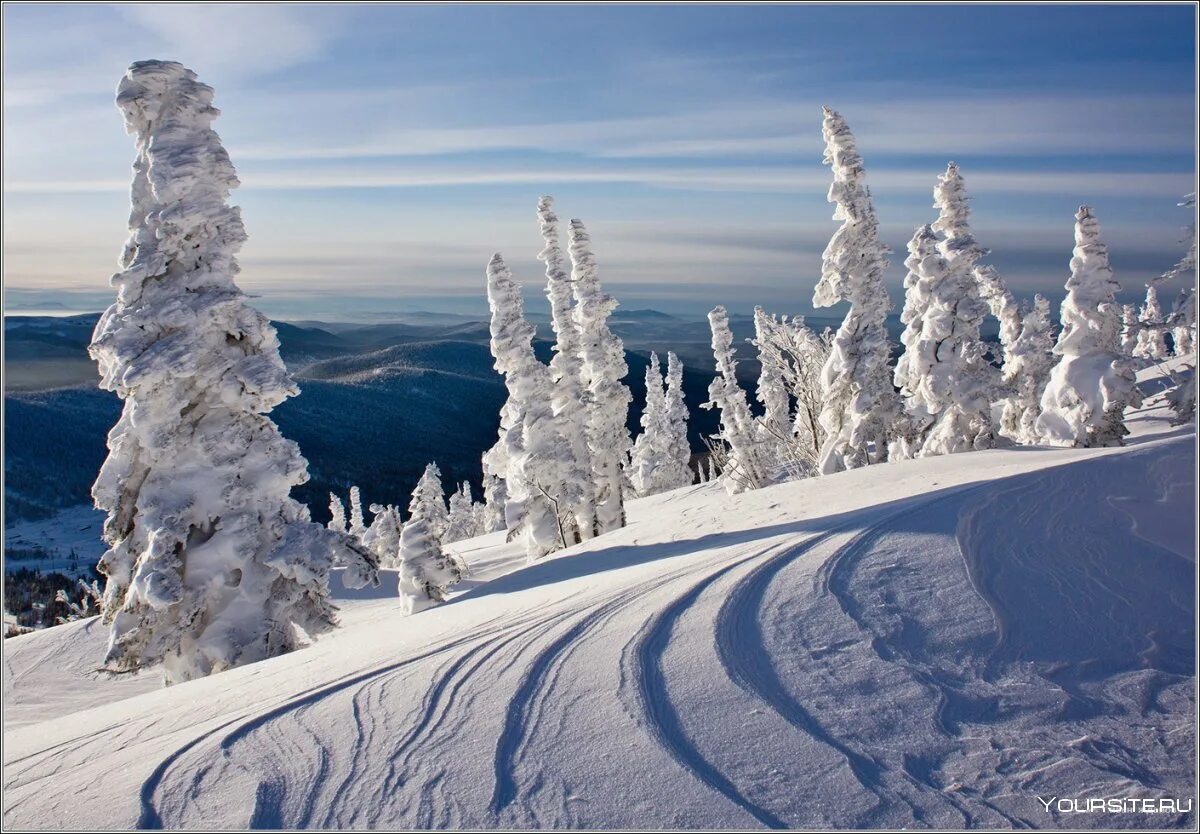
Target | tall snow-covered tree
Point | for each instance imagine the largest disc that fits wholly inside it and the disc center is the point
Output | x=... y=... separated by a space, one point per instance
x=650 y=450
x=744 y=467
x=603 y=367
x=1092 y=383
x=463 y=520
x=211 y=564
x=427 y=571
x=337 y=514
x=572 y=398
x=775 y=423
x=358 y=525
x=961 y=381
x=1131 y=326
x=1026 y=369
x=676 y=469
x=859 y=403
x=913 y=372
x=382 y=538
x=536 y=449
x=429 y=500
x=1152 y=335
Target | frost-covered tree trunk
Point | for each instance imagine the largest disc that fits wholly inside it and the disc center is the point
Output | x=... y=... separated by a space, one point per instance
x=649 y=457
x=743 y=467
x=602 y=370
x=536 y=450
x=1026 y=370
x=676 y=469
x=427 y=571
x=382 y=538
x=859 y=403
x=429 y=500
x=1152 y=335
x=572 y=398
x=211 y=564
x=1092 y=383
x=961 y=381
x=357 y=525
x=337 y=515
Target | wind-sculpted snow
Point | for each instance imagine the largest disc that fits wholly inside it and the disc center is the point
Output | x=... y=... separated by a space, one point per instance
x=934 y=643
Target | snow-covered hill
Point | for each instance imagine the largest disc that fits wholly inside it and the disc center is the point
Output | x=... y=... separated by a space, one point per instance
x=931 y=643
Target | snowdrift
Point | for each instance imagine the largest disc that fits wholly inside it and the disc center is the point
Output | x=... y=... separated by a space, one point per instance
x=944 y=642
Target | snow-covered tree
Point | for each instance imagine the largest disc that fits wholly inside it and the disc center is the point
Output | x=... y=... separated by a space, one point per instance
x=676 y=471
x=1026 y=370
x=797 y=355
x=1130 y=328
x=429 y=500
x=495 y=496
x=537 y=453
x=1183 y=323
x=337 y=514
x=382 y=538
x=775 y=423
x=463 y=520
x=743 y=466
x=357 y=525
x=1188 y=262
x=1092 y=383
x=912 y=374
x=91 y=602
x=858 y=400
x=603 y=368
x=572 y=398
x=962 y=381
x=211 y=564
x=650 y=450
x=427 y=571
x=1152 y=335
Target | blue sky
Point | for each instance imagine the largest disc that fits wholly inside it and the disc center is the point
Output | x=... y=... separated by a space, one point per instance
x=387 y=151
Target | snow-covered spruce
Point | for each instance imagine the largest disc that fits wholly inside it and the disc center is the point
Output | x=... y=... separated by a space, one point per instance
x=382 y=538
x=1027 y=367
x=463 y=521
x=1183 y=323
x=963 y=382
x=913 y=371
x=859 y=402
x=427 y=571
x=797 y=355
x=495 y=499
x=429 y=500
x=535 y=448
x=211 y=564
x=358 y=526
x=337 y=515
x=1152 y=335
x=1092 y=383
x=743 y=467
x=648 y=459
x=603 y=368
x=676 y=471
x=1130 y=328
x=571 y=396
x=775 y=424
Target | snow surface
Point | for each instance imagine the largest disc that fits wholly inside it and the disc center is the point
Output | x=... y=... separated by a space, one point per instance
x=71 y=530
x=935 y=642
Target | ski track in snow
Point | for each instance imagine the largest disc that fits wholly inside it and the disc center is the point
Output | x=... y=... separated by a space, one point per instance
x=913 y=607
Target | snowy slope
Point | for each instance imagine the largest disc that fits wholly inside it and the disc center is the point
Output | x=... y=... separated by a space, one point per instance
x=929 y=643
